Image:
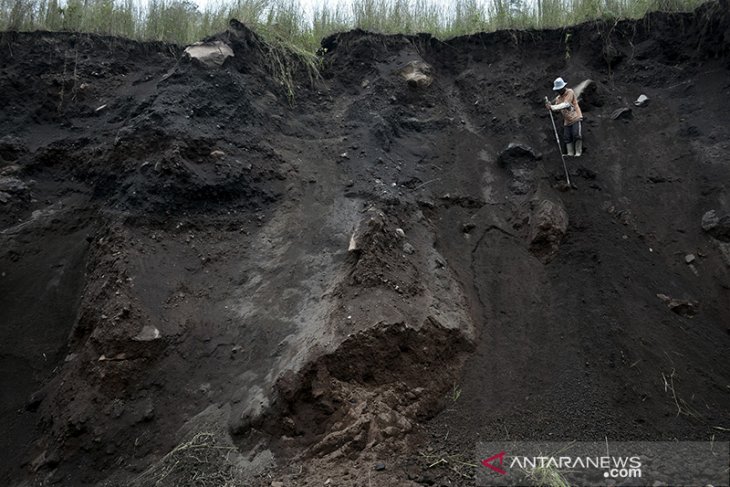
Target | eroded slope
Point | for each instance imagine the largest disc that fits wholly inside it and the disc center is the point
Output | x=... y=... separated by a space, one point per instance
x=316 y=287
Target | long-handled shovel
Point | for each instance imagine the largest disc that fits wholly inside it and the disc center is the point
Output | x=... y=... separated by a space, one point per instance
x=560 y=149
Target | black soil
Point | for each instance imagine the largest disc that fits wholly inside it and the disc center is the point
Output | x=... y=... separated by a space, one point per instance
x=180 y=307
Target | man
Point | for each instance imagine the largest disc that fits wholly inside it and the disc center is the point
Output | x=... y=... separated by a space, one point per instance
x=567 y=103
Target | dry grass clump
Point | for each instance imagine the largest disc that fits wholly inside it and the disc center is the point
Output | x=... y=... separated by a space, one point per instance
x=201 y=461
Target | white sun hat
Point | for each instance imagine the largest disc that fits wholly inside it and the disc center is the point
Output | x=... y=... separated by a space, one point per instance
x=558 y=84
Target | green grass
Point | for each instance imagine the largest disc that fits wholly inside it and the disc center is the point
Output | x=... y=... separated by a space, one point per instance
x=285 y=21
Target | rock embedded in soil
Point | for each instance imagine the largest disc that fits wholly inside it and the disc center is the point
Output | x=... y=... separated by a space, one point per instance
x=147 y=334
x=683 y=307
x=209 y=54
x=417 y=74
x=642 y=101
x=716 y=226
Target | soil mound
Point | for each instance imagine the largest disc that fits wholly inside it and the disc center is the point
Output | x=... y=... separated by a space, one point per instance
x=227 y=268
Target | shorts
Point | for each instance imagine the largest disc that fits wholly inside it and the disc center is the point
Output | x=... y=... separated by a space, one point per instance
x=573 y=132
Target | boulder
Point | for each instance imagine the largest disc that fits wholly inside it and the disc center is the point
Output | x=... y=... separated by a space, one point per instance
x=417 y=74
x=210 y=54
x=548 y=225
x=717 y=226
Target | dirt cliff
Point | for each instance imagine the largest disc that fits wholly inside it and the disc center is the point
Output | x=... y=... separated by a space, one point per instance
x=262 y=272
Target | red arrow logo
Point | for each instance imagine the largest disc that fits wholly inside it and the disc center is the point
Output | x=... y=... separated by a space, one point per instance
x=488 y=463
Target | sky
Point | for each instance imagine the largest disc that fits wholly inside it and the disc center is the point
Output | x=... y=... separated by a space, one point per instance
x=307 y=4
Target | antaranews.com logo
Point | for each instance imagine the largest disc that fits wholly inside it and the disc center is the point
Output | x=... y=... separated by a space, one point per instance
x=594 y=463
x=613 y=467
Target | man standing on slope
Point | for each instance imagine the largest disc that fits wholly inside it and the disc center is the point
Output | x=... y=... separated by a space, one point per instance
x=567 y=103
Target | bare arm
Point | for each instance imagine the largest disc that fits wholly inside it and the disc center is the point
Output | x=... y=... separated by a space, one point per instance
x=560 y=106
